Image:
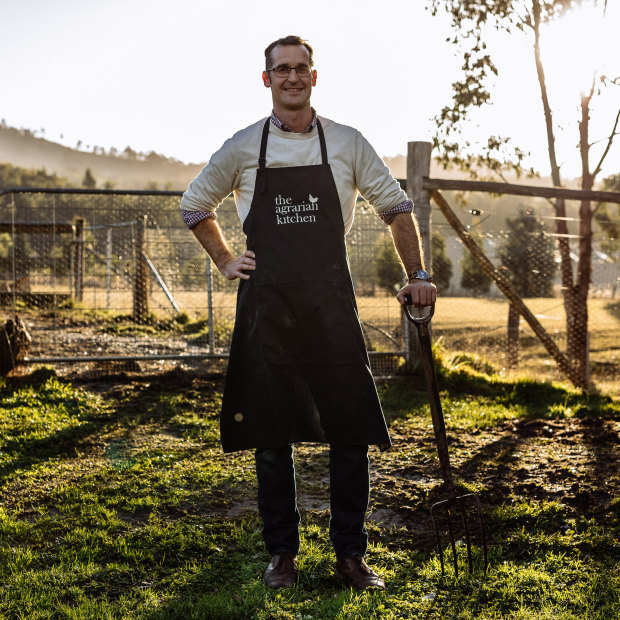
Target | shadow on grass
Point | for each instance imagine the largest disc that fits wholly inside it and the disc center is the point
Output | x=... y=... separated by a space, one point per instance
x=140 y=403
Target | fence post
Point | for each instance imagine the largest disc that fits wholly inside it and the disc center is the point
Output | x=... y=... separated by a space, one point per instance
x=140 y=292
x=79 y=262
x=418 y=167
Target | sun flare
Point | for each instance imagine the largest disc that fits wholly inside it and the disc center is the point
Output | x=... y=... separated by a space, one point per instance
x=580 y=46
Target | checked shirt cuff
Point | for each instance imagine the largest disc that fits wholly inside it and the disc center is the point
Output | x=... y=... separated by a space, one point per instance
x=191 y=218
x=389 y=214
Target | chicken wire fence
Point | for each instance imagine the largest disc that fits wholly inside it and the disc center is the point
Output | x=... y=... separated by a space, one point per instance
x=109 y=281
x=573 y=326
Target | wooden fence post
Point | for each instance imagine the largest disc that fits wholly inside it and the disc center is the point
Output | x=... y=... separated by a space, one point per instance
x=79 y=260
x=418 y=167
x=140 y=291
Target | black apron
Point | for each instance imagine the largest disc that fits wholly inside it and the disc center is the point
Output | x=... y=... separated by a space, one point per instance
x=298 y=368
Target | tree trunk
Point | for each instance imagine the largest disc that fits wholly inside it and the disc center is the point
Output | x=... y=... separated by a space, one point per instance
x=512 y=355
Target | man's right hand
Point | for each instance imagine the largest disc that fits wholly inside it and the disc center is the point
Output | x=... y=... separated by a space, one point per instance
x=235 y=267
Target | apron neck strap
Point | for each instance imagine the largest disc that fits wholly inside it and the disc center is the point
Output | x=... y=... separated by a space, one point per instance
x=262 y=160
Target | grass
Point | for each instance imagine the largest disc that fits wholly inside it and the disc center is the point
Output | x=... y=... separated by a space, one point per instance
x=116 y=502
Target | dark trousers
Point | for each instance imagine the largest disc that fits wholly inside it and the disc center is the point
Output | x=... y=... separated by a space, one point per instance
x=349 y=489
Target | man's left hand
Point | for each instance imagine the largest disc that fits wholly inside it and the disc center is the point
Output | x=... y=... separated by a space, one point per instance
x=422 y=293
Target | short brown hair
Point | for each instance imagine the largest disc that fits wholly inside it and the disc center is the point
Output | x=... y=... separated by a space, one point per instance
x=290 y=40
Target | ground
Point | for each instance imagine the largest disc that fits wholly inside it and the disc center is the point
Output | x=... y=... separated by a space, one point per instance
x=117 y=502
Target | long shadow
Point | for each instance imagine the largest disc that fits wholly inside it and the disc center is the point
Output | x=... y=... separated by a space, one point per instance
x=69 y=442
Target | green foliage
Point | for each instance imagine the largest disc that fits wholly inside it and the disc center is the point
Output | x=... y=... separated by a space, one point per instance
x=472 y=20
x=473 y=277
x=387 y=268
x=527 y=255
x=441 y=264
x=14 y=176
x=608 y=219
x=89 y=181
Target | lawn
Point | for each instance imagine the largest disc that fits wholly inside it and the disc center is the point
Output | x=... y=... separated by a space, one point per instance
x=117 y=502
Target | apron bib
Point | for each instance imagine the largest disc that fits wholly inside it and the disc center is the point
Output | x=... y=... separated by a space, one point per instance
x=298 y=367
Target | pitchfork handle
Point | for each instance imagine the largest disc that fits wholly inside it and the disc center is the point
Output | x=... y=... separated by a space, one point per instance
x=439 y=426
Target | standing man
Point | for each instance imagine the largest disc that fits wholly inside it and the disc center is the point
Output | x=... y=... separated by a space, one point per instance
x=298 y=368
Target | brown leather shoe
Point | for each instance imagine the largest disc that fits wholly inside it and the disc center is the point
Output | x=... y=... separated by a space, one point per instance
x=358 y=575
x=282 y=571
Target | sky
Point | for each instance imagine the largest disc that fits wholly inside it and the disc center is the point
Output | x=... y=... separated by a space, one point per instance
x=181 y=77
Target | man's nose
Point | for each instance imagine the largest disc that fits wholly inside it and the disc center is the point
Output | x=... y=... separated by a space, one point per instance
x=292 y=75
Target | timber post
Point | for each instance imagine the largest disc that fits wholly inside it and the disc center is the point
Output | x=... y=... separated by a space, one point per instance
x=79 y=260
x=140 y=291
x=418 y=167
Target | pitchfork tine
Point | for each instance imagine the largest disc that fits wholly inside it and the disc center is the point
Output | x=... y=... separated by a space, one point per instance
x=422 y=325
x=438 y=537
x=467 y=541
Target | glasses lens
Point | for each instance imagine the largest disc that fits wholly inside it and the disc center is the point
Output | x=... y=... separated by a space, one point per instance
x=283 y=71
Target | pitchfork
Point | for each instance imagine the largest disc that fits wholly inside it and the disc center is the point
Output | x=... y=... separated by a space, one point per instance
x=453 y=500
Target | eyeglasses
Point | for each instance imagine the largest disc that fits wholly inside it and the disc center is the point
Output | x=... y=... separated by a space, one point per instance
x=283 y=71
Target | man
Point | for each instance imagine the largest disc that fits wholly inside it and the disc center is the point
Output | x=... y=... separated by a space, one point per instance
x=298 y=369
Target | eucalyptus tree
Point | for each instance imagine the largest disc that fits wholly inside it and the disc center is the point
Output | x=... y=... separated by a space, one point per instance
x=474 y=23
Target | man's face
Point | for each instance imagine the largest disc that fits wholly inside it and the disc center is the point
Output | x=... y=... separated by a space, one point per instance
x=292 y=92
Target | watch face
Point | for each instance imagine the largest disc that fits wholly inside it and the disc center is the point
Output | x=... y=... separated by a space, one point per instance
x=420 y=274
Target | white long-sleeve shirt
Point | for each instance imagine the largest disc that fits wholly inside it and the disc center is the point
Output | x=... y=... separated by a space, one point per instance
x=355 y=165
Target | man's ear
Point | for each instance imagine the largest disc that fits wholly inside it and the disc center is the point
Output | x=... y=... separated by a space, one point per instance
x=314 y=78
x=266 y=79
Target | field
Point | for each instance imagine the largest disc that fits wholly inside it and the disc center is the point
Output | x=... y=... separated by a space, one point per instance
x=117 y=502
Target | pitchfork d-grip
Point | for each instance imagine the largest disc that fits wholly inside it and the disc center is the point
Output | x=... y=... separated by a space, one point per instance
x=453 y=500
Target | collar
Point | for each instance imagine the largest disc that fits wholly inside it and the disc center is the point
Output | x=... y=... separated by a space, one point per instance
x=280 y=125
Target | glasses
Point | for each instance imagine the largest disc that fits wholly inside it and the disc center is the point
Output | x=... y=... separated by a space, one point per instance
x=283 y=71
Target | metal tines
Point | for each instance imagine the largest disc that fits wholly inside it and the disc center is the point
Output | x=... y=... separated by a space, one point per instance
x=453 y=501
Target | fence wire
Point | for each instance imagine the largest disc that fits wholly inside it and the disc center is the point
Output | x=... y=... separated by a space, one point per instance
x=120 y=278
x=524 y=243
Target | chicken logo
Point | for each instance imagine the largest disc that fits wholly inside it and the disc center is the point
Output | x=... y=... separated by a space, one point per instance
x=312 y=199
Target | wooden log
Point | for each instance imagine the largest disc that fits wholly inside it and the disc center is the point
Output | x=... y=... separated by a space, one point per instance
x=14 y=344
x=506 y=287
x=520 y=190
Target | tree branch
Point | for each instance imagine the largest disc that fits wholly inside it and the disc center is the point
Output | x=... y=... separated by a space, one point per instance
x=609 y=143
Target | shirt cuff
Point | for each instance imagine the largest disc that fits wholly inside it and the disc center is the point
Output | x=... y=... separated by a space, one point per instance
x=191 y=218
x=389 y=214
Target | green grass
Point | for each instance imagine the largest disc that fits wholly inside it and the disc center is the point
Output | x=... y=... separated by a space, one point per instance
x=117 y=502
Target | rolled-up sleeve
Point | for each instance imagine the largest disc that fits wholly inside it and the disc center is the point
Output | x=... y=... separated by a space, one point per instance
x=375 y=182
x=214 y=183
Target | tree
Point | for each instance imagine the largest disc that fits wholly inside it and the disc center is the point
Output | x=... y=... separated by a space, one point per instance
x=527 y=256
x=473 y=20
x=89 y=181
x=473 y=277
x=442 y=265
x=608 y=219
x=387 y=267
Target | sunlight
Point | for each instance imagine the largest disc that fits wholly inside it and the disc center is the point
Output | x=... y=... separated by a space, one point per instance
x=579 y=46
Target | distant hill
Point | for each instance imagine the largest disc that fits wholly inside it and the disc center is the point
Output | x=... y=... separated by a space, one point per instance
x=20 y=147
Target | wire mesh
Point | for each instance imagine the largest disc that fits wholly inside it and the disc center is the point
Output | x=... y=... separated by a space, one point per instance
x=541 y=260
x=121 y=279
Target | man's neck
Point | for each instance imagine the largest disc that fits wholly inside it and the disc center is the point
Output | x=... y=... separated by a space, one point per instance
x=297 y=120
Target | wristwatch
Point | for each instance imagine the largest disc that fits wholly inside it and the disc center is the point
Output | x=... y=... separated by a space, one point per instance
x=420 y=274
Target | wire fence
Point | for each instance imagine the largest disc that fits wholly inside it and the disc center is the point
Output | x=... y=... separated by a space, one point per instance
x=110 y=281
x=118 y=281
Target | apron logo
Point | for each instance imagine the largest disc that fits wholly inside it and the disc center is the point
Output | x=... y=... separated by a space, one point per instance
x=288 y=213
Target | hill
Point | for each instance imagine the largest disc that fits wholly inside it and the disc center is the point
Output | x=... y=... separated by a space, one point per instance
x=20 y=147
